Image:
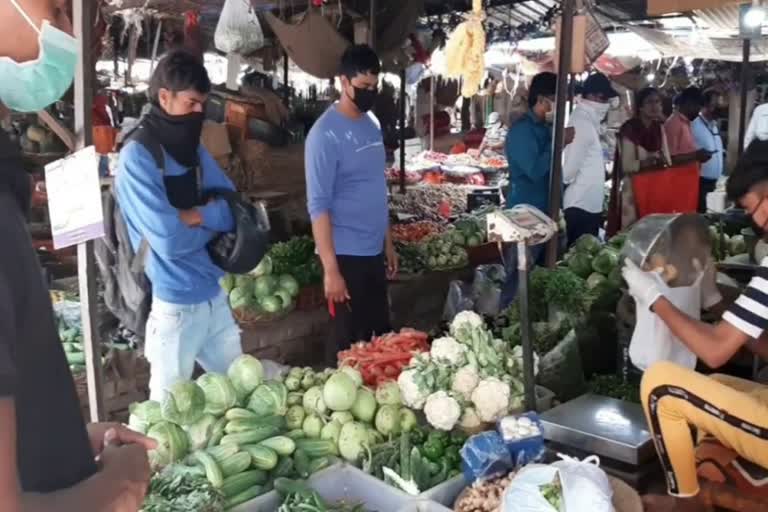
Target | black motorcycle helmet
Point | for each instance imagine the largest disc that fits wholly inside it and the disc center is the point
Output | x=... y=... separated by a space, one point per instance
x=241 y=250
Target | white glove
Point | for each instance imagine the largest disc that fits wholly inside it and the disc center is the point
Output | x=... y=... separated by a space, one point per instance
x=643 y=286
x=710 y=294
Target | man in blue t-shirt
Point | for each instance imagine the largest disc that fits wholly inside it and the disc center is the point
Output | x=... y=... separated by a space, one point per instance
x=190 y=319
x=347 y=202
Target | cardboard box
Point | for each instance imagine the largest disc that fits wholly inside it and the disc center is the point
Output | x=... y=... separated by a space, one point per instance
x=215 y=138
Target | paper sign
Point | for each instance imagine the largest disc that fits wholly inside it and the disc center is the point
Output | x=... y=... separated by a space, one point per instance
x=74 y=198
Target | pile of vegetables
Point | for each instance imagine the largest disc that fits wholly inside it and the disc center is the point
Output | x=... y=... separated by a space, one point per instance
x=472 y=230
x=298 y=496
x=417 y=460
x=412 y=261
x=180 y=488
x=445 y=251
x=415 y=231
x=297 y=257
x=425 y=202
x=383 y=358
x=484 y=495
x=726 y=247
x=261 y=291
x=614 y=386
x=468 y=378
x=592 y=261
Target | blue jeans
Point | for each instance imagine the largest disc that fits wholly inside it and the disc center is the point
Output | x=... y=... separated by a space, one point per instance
x=180 y=334
x=509 y=290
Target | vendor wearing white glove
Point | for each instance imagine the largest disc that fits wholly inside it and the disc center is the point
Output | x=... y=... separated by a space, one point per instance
x=732 y=410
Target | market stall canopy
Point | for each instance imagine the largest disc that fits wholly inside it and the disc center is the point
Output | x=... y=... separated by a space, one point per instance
x=703 y=47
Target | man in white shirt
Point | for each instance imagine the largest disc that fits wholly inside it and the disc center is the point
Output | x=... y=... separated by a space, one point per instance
x=495 y=135
x=583 y=163
x=758 y=125
x=706 y=135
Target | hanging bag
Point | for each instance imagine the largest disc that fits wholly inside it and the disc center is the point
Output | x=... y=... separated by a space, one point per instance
x=238 y=29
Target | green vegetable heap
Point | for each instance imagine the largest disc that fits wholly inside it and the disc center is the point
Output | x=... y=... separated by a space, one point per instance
x=297 y=257
x=261 y=291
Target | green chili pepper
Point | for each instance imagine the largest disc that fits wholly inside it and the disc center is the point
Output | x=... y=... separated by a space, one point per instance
x=433 y=450
x=418 y=436
x=439 y=435
x=453 y=458
x=458 y=439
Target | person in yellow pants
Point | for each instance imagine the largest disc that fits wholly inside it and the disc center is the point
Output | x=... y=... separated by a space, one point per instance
x=733 y=411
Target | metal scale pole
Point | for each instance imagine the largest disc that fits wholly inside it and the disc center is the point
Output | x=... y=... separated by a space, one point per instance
x=525 y=327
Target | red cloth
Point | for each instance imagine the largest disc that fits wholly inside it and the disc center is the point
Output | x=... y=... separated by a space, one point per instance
x=671 y=190
x=100 y=114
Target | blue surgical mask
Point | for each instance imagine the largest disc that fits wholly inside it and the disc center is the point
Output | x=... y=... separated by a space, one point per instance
x=31 y=86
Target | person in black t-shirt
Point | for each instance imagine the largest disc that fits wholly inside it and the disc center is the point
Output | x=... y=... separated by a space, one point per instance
x=50 y=460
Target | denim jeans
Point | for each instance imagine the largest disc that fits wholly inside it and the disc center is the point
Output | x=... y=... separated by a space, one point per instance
x=509 y=290
x=180 y=334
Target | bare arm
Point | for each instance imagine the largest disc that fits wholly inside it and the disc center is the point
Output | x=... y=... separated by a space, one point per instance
x=323 y=233
x=100 y=493
x=713 y=344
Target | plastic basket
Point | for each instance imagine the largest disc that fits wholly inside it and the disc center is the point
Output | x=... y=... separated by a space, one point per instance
x=445 y=493
x=424 y=506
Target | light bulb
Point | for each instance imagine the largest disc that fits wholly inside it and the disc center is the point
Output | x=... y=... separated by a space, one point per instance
x=754 y=17
x=650 y=77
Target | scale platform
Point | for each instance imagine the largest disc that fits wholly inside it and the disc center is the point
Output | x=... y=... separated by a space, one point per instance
x=602 y=426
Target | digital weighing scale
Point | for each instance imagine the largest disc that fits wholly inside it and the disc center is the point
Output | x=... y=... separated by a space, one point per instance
x=525 y=226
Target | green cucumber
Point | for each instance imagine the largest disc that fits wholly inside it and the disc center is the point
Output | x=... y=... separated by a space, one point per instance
x=255 y=435
x=212 y=470
x=283 y=445
x=316 y=465
x=238 y=413
x=263 y=457
x=315 y=448
x=223 y=451
x=301 y=463
x=284 y=467
x=236 y=484
x=245 y=496
x=217 y=432
x=296 y=434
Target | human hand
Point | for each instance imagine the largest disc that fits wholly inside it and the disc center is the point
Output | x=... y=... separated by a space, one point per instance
x=643 y=286
x=335 y=287
x=128 y=465
x=192 y=218
x=103 y=434
x=568 y=135
x=393 y=262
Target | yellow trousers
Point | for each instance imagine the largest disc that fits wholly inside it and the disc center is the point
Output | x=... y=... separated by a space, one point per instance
x=733 y=411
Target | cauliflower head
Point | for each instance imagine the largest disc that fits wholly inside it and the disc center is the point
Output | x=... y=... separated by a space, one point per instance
x=491 y=399
x=442 y=410
x=448 y=350
x=466 y=319
x=465 y=381
x=411 y=391
x=470 y=420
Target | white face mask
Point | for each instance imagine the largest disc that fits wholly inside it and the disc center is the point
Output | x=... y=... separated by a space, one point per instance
x=600 y=109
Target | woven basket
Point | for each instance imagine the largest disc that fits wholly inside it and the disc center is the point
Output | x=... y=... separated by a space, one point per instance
x=310 y=298
x=250 y=318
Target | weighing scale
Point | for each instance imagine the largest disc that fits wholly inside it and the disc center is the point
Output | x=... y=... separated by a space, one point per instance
x=525 y=226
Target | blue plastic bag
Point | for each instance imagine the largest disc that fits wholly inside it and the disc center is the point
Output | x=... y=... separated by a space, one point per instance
x=485 y=456
x=524 y=450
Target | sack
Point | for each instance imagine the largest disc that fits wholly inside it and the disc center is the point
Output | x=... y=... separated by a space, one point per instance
x=653 y=341
x=127 y=291
x=459 y=299
x=560 y=370
x=238 y=29
x=671 y=190
x=584 y=487
x=486 y=288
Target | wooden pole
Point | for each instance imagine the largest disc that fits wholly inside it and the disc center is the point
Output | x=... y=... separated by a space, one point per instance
x=372 y=25
x=83 y=15
x=286 y=90
x=744 y=90
x=402 y=131
x=556 y=176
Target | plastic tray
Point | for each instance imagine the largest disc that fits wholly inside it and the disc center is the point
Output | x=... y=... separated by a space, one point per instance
x=341 y=482
x=446 y=492
x=424 y=506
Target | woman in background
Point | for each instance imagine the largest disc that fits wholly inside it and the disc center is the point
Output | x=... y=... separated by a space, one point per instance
x=641 y=146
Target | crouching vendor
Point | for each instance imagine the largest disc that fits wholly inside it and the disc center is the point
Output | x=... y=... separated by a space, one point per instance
x=676 y=399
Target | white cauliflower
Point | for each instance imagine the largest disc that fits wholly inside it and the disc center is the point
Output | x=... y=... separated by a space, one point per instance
x=468 y=319
x=465 y=381
x=470 y=421
x=515 y=361
x=491 y=399
x=411 y=392
x=448 y=350
x=442 y=410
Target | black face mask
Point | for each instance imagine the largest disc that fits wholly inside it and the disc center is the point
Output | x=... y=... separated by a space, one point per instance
x=364 y=98
x=179 y=135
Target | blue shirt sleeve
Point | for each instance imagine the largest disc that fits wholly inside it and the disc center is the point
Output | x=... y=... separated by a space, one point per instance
x=702 y=136
x=321 y=162
x=217 y=215
x=144 y=202
x=526 y=153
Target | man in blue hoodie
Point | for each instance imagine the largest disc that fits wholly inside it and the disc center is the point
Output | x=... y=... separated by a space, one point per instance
x=190 y=319
x=529 y=155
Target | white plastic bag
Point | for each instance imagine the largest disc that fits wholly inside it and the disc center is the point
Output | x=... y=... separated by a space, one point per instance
x=238 y=29
x=585 y=487
x=652 y=341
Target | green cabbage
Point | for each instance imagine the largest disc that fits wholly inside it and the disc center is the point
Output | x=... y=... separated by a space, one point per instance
x=172 y=443
x=263 y=268
x=271 y=304
x=595 y=279
x=605 y=261
x=220 y=395
x=264 y=286
x=240 y=298
x=339 y=392
x=184 y=403
x=200 y=432
x=580 y=264
x=246 y=374
x=245 y=282
x=143 y=415
x=227 y=282
x=288 y=283
x=286 y=300
x=588 y=244
x=269 y=399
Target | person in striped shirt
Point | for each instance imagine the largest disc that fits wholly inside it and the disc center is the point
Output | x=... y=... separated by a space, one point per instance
x=733 y=411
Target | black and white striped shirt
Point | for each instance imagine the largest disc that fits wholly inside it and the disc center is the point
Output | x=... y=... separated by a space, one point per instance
x=749 y=313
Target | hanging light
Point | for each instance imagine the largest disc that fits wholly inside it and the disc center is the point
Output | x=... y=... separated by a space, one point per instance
x=650 y=77
x=755 y=15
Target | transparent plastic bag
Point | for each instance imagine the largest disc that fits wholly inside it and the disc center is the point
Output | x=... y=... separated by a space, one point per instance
x=238 y=29
x=524 y=492
x=459 y=299
x=486 y=288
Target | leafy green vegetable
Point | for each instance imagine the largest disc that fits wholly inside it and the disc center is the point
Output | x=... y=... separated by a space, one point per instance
x=297 y=258
x=172 y=443
x=581 y=264
x=246 y=374
x=595 y=279
x=184 y=404
x=588 y=244
x=220 y=394
x=240 y=298
x=201 y=431
x=613 y=386
x=288 y=283
x=227 y=282
x=264 y=286
x=179 y=489
x=271 y=304
x=263 y=268
x=269 y=399
x=144 y=414
x=605 y=261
